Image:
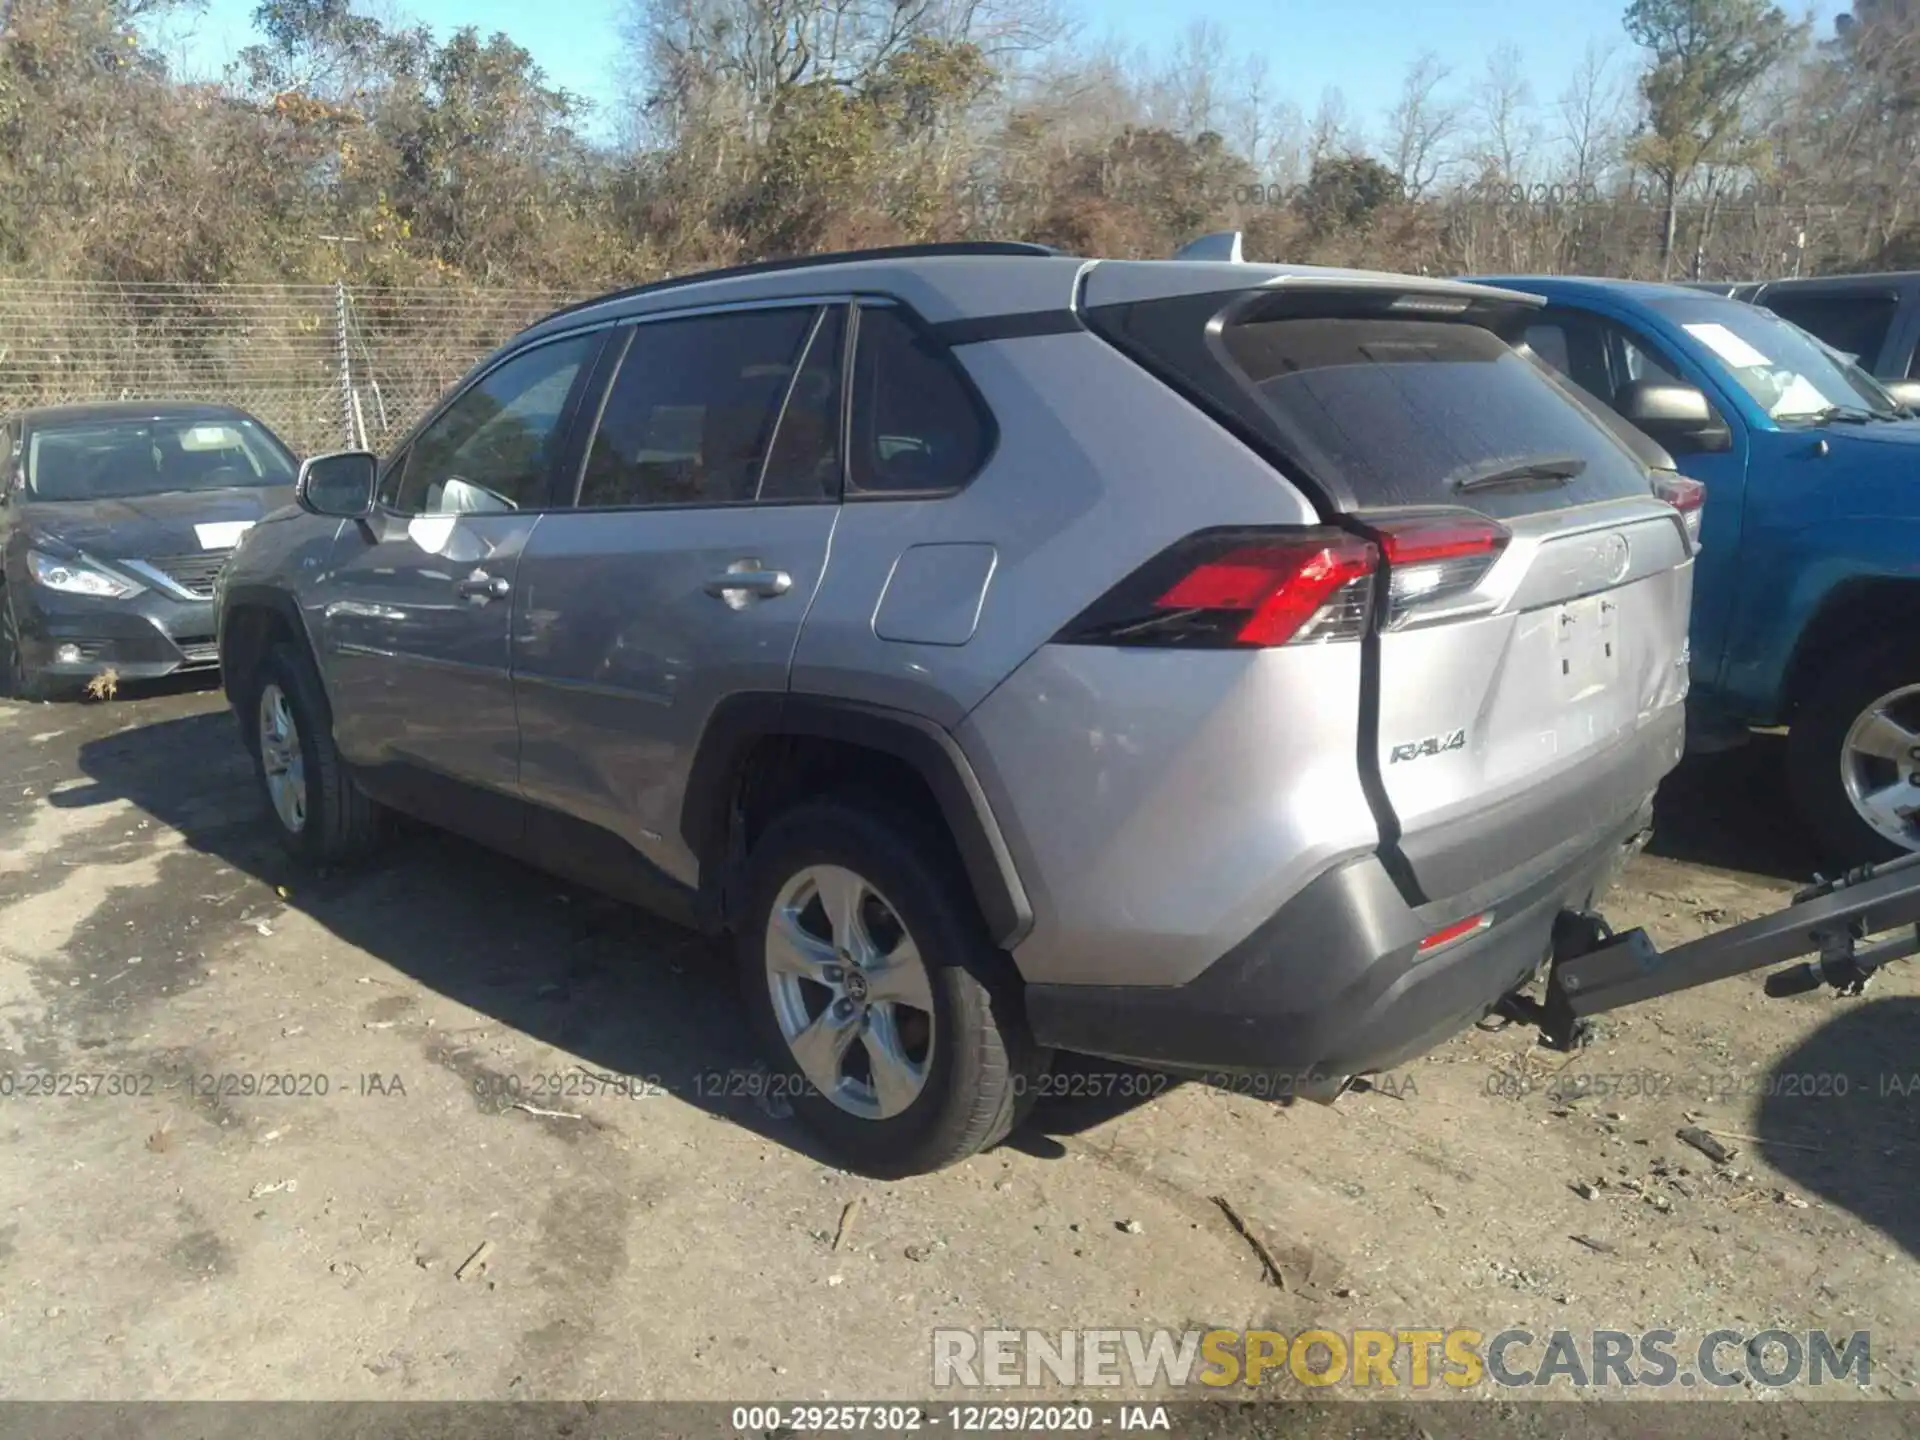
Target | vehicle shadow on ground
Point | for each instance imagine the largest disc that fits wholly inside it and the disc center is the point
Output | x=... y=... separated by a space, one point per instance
x=628 y=995
x=621 y=993
x=1732 y=810
x=1841 y=1115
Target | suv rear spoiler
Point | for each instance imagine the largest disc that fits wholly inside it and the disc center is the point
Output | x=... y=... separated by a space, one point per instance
x=1220 y=245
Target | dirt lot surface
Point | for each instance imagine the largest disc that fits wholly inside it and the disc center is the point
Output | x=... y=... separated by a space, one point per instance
x=225 y=1230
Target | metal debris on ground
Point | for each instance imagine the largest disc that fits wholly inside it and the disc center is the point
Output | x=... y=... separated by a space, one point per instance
x=1254 y=1242
x=848 y=1213
x=1706 y=1143
x=545 y=1114
x=476 y=1262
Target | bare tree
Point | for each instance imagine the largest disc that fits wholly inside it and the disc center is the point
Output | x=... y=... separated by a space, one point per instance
x=732 y=60
x=1331 y=131
x=1506 y=131
x=1592 y=116
x=1421 y=126
x=1185 y=95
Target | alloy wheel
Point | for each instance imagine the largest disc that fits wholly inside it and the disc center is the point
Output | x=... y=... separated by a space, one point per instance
x=1880 y=765
x=282 y=760
x=853 y=998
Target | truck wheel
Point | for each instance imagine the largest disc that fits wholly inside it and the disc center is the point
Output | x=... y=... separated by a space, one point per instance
x=1854 y=755
x=893 y=1023
x=319 y=813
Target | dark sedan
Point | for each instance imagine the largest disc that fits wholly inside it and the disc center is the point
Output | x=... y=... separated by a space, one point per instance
x=114 y=522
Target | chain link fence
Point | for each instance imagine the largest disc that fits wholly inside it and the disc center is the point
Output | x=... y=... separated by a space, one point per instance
x=323 y=365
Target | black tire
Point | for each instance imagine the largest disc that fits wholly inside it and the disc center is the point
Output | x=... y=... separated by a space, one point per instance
x=1817 y=740
x=17 y=682
x=342 y=824
x=981 y=1075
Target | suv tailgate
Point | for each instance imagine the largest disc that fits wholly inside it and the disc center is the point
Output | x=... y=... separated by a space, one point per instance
x=1521 y=699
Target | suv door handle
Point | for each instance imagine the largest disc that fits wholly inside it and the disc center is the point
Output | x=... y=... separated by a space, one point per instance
x=767 y=583
x=482 y=586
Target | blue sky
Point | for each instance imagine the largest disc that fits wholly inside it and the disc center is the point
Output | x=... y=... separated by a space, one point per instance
x=1363 y=49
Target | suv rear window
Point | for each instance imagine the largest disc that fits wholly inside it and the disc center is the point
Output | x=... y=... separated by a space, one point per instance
x=1406 y=410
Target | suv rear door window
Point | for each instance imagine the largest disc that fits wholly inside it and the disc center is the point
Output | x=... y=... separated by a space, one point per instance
x=918 y=428
x=691 y=416
x=1410 y=411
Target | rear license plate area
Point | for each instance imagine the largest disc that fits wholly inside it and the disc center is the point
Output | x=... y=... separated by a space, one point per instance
x=1586 y=646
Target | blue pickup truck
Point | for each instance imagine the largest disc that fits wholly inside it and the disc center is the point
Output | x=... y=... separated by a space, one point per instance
x=1806 y=607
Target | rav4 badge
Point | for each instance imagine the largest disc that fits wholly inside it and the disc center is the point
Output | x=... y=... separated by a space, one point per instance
x=1432 y=745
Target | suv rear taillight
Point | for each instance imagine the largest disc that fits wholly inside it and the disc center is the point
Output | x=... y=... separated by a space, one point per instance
x=1233 y=589
x=1432 y=560
x=1689 y=497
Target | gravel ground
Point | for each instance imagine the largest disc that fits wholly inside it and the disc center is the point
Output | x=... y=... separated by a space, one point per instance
x=210 y=1225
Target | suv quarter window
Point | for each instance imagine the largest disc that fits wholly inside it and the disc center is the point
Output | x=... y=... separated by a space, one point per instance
x=493 y=448
x=919 y=427
x=724 y=408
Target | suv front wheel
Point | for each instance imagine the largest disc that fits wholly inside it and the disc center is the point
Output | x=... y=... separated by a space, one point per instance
x=887 y=1009
x=320 y=814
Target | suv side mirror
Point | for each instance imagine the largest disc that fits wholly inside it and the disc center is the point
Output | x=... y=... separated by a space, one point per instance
x=1907 y=392
x=339 y=485
x=1679 y=417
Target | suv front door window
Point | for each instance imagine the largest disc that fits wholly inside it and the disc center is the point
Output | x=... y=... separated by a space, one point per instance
x=418 y=600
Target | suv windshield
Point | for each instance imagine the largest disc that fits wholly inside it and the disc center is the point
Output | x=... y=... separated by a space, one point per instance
x=1791 y=375
x=112 y=459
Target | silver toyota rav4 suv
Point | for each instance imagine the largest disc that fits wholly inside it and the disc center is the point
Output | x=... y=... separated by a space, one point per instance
x=1213 y=666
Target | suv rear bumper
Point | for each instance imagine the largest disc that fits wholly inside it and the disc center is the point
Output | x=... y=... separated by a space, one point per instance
x=1332 y=985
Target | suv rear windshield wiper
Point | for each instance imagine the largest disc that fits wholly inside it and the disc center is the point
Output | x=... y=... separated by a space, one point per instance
x=1535 y=470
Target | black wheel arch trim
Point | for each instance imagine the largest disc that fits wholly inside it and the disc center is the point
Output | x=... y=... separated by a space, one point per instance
x=741 y=721
x=1857 y=614
x=282 y=605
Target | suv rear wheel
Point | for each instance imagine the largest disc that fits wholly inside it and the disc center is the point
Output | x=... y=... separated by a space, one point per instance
x=877 y=992
x=321 y=816
x=1854 y=755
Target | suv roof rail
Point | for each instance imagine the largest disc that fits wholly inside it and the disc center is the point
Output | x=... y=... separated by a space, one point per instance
x=1220 y=245
x=801 y=262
